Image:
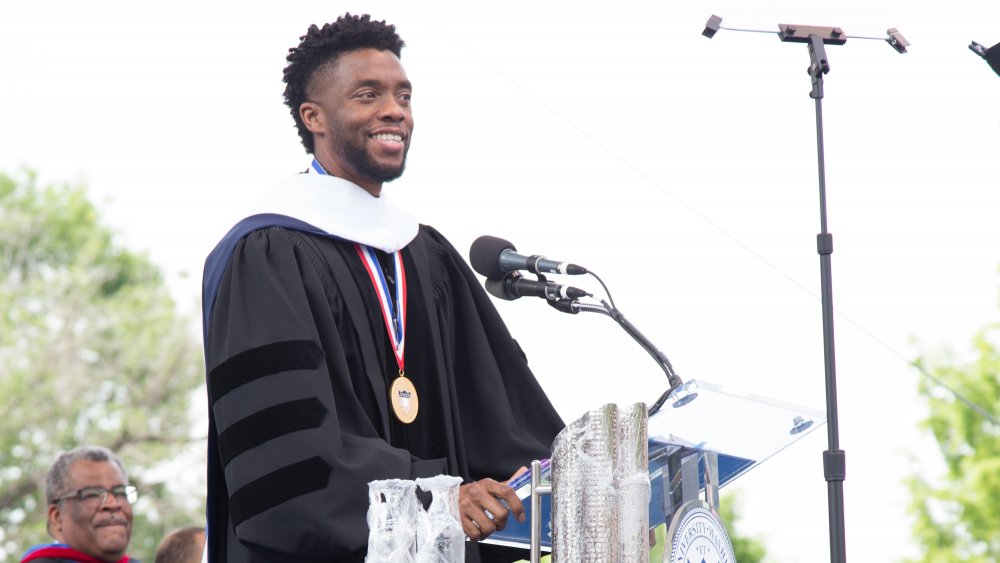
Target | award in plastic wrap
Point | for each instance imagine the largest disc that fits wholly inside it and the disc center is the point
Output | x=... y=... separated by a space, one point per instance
x=440 y=538
x=392 y=519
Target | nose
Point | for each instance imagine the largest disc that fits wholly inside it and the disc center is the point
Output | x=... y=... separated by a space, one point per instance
x=110 y=502
x=392 y=110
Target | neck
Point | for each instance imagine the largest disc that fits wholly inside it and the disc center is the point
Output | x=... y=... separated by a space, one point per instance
x=373 y=188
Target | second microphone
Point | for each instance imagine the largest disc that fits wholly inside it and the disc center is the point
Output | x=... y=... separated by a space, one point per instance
x=513 y=286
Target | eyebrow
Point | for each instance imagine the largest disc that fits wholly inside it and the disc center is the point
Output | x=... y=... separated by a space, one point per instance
x=373 y=83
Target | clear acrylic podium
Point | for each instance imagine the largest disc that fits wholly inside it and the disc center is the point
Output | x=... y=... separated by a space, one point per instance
x=702 y=438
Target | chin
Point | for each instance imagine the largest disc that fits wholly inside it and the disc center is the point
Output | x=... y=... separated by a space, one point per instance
x=114 y=543
x=390 y=173
x=112 y=554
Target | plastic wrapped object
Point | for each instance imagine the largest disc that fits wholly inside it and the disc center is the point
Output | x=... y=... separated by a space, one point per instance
x=600 y=488
x=440 y=538
x=392 y=517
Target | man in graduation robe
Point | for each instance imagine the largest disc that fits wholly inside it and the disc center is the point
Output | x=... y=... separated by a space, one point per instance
x=346 y=343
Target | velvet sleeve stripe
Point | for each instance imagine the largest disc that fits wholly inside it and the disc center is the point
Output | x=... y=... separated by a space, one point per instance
x=263 y=361
x=270 y=423
x=277 y=487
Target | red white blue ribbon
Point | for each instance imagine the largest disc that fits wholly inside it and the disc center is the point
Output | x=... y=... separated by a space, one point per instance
x=394 y=316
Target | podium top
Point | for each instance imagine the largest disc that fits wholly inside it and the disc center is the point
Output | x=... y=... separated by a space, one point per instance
x=743 y=428
x=705 y=416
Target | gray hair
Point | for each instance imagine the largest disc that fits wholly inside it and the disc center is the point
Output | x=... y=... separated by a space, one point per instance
x=57 y=479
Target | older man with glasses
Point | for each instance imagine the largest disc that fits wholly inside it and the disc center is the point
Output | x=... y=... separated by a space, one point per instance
x=90 y=509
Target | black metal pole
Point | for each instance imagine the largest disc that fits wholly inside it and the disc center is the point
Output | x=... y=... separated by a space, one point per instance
x=834 y=466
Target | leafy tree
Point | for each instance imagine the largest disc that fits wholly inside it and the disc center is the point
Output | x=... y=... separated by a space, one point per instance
x=957 y=516
x=92 y=351
x=746 y=549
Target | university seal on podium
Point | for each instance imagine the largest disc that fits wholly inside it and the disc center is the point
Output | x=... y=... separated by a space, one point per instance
x=698 y=534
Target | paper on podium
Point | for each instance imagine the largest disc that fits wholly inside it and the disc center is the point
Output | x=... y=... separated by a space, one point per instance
x=744 y=429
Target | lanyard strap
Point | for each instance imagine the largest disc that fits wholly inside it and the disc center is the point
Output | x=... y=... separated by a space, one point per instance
x=394 y=316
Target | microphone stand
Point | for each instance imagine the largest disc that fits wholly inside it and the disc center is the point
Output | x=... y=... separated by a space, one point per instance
x=834 y=459
x=574 y=306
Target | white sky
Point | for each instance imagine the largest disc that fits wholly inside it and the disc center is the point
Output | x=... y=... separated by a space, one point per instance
x=680 y=169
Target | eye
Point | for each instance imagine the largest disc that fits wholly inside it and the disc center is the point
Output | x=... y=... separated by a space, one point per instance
x=91 y=493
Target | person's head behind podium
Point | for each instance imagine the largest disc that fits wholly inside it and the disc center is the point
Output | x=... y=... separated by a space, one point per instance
x=90 y=502
x=183 y=545
x=350 y=99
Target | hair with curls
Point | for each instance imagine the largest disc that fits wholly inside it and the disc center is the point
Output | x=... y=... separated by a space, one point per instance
x=321 y=45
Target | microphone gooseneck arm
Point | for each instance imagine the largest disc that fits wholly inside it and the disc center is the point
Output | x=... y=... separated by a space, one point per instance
x=498 y=261
x=573 y=306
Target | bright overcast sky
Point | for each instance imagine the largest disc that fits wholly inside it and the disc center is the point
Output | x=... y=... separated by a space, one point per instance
x=680 y=169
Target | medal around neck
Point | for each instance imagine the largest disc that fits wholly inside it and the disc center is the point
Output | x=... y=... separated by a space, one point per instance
x=403 y=396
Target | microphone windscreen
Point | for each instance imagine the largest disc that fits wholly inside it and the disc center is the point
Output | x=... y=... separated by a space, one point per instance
x=484 y=254
x=495 y=287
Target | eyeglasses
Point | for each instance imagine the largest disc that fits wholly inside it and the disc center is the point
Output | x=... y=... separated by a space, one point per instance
x=96 y=496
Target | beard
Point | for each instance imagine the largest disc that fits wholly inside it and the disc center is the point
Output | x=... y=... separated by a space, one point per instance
x=365 y=165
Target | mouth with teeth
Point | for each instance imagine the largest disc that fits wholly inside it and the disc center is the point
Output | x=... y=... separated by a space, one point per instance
x=389 y=144
x=395 y=137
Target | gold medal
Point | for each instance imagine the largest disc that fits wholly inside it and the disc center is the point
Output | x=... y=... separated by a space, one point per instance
x=403 y=396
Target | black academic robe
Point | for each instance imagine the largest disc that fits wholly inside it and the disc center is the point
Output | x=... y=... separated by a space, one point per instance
x=299 y=365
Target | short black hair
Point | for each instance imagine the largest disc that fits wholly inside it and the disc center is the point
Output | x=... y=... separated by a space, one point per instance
x=321 y=45
x=183 y=545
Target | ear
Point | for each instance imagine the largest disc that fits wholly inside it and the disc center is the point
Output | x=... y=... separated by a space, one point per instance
x=54 y=523
x=313 y=117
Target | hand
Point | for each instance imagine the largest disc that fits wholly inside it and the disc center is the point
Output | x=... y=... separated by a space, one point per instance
x=475 y=499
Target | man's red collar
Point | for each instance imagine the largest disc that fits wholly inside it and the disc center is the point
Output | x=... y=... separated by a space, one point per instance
x=60 y=551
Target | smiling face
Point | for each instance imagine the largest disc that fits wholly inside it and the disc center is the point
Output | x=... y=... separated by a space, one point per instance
x=100 y=531
x=359 y=115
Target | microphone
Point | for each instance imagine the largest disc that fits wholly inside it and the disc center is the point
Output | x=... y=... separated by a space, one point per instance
x=514 y=286
x=494 y=257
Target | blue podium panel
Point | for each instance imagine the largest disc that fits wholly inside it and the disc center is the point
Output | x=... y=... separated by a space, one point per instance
x=518 y=534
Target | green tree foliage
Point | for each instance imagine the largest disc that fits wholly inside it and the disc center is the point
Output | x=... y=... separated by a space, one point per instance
x=957 y=515
x=746 y=549
x=92 y=351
